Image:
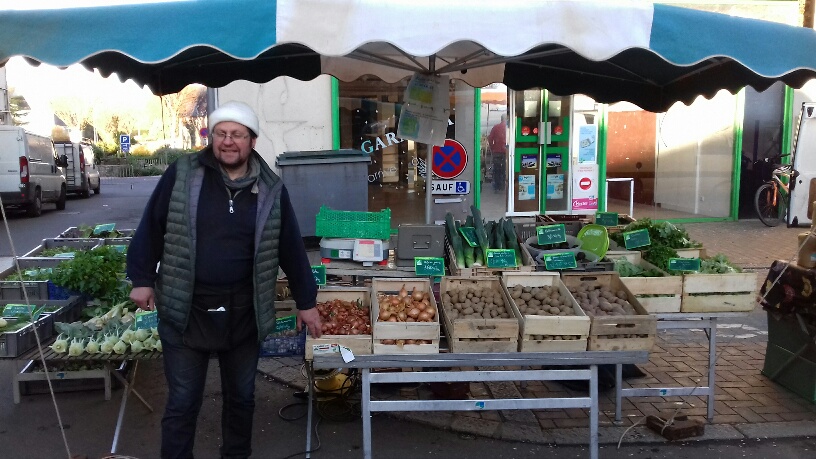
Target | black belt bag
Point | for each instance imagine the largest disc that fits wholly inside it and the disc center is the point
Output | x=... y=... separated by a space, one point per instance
x=220 y=318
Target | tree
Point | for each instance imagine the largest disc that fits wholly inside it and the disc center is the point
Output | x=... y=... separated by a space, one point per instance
x=19 y=108
x=73 y=111
x=186 y=109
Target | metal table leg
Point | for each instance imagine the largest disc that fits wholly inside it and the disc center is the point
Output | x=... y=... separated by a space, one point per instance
x=310 y=385
x=366 y=409
x=712 y=363
x=618 y=391
x=593 y=412
x=128 y=388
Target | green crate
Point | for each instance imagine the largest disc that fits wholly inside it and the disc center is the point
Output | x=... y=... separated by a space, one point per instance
x=799 y=376
x=351 y=224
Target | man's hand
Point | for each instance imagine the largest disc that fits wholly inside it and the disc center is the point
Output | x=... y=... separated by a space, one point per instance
x=143 y=297
x=311 y=318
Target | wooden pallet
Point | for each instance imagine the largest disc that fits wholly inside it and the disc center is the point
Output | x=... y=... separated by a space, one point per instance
x=670 y=288
x=575 y=327
x=402 y=330
x=358 y=344
x=479 y=335
x=606 y=333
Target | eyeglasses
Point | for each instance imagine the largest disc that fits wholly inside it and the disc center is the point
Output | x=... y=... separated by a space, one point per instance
x=235 y=137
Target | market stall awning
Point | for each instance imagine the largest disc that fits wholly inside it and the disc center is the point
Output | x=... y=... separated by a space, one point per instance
x=651 y=55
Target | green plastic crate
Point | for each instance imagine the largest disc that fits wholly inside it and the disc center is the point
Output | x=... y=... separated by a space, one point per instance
x=351 y=224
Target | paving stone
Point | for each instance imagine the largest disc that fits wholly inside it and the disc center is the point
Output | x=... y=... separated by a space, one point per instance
x=515 y=431
x=437 y=419
x=483 y=427
x=778 y=429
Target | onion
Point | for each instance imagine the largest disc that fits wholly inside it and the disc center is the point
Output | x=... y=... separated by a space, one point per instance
x=414 y=313
x=402 y=315
x=417 y=295
x=424 y=316
x=403 y=293
x=384 y=314
x=431 y=311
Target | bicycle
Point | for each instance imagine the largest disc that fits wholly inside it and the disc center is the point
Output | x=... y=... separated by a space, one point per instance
x=772 y=198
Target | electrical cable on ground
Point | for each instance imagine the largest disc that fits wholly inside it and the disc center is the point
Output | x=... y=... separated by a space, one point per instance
x=760 y=300
x=340 y=405
x=36 y=333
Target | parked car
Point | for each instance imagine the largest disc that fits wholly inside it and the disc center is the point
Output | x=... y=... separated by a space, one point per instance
x=31 y=173
x=81 y=173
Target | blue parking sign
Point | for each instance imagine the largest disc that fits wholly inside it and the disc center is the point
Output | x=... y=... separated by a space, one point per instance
x=124 y=139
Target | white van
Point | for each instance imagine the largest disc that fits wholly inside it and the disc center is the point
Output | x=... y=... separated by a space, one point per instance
x=30 y=171
x=81 y=173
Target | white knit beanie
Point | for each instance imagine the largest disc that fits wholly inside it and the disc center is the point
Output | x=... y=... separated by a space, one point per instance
x=238 y=112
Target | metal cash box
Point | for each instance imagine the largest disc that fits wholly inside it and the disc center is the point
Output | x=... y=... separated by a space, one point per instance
x=417 y=240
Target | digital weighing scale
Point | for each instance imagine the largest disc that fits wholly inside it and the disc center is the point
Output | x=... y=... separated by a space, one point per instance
x=367 y=251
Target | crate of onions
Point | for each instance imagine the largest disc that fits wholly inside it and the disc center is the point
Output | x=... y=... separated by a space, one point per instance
x=346 y=316
x=404 y=317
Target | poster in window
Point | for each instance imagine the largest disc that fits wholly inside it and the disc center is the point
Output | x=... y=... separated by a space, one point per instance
x=588 y=143
x=526 y=187
x=585 y=187
x=425 y=114
x=555 y=186
x=553 y=160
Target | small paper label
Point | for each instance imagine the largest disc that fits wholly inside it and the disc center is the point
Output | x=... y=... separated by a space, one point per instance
x=606 y=218
x=105 y=227
x=346 y=353
x=469 y=235
x=635 y=239
x=551 y=234
x=319 y=273
x=429 y=266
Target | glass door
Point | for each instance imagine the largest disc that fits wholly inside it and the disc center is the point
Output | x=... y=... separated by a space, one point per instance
x=526 y=162
x=557 y=154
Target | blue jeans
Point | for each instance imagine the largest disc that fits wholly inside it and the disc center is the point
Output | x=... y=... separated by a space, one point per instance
x=186 y=373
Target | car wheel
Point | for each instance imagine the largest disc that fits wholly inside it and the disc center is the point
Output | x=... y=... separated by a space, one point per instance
x=86 y=192
x=35 y=208
x=61 y=201
x=98 y=188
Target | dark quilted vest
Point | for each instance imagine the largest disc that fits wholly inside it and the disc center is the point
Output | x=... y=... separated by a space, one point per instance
x=174 y=287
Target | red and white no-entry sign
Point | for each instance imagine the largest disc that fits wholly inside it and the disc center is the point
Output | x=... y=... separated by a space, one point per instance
x=449 y=160
x=585 y=183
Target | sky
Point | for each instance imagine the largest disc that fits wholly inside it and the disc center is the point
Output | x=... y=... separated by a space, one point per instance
x=42 y=84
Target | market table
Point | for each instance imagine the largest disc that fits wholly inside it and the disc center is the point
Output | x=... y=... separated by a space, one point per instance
x=702 y=320
x=110 y=361
x=524 y=361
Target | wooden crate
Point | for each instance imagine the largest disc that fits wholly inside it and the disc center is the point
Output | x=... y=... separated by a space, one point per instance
x=576 y=326
x=479 y=335
x=358 y=344
x=604 y=330
x=670 y=288
x=402 y=330
x=735 y=292
x=528 y=264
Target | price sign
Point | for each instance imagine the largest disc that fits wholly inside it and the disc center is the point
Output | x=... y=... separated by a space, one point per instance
x=635 y=239
x=287 y=323
x=119 y=248
x=551 y=234
x=105 y=227
x=429 y=266
x=501 y=258
x=563 y=260
x=14 y=310
x=319 y=273
x=147 y=320
x=684 y=264
x=606 y=218
x=469 y=233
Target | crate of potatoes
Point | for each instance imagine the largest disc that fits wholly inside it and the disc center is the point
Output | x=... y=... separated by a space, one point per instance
x=404 y=317
x=477 y=314
x=618 y=322
x=549 y=317
x=346 y=316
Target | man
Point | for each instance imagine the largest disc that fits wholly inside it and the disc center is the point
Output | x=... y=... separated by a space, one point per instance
x=221 y=224
x=497 y=139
